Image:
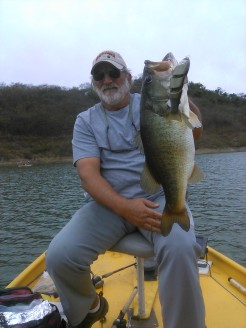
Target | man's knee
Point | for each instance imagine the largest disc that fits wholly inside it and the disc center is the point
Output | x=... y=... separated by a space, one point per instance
x=54 y=258
x=179 y=244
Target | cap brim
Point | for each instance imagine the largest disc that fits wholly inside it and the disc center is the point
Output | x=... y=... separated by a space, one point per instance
x=119 y=66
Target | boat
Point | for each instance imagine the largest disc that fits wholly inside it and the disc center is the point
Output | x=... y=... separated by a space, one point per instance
x=24 y=164
x=133 y=295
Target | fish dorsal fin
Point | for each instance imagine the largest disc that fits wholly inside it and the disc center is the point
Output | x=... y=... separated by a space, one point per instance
x=148 y=182
x=196 y=176
x=193 y=121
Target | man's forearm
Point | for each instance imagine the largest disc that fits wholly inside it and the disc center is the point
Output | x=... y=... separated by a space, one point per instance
x=102 y=192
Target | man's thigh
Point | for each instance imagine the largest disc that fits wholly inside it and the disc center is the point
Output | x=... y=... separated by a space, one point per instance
x=91 y=231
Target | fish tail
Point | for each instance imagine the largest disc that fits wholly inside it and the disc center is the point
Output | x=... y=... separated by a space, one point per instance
x=169 y=218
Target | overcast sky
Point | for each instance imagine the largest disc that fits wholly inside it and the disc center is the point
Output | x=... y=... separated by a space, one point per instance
x=55 y=41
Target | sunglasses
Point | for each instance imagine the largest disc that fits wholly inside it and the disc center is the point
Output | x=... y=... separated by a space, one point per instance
x=100 y=75
x=125 y=150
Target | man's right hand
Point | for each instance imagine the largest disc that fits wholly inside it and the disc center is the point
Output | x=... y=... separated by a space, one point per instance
x=140 y=212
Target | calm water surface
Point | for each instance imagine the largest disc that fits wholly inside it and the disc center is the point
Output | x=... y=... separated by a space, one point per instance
x=36 y=202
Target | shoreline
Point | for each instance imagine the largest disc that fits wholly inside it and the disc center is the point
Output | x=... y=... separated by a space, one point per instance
x=220 y=150
x=68 y=159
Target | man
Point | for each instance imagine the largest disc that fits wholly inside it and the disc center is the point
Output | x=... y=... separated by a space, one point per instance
x=109 y=166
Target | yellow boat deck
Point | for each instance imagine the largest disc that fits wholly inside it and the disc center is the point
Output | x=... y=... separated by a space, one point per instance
x=225 y=304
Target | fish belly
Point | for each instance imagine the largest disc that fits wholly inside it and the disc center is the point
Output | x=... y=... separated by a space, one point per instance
x=169 y=150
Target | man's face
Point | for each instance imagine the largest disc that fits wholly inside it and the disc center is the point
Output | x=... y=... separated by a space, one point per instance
x=111 y=84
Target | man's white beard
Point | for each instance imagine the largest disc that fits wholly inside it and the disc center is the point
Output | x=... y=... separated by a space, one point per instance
x=117 y=95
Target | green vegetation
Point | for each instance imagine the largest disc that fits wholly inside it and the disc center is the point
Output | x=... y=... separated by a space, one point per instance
x=36 y=122
x=224 y=117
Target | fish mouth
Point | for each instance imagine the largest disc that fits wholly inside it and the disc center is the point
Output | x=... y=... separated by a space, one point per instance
x=161 y=66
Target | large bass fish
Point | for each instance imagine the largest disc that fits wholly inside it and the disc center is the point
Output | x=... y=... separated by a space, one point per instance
x=166 y=124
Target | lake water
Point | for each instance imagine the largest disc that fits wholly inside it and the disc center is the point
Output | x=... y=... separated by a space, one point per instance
x=37 y=201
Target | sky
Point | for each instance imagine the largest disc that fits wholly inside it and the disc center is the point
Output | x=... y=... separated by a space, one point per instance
x=54 y=42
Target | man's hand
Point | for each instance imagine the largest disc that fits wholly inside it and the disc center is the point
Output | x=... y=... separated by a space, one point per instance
x=141 y=213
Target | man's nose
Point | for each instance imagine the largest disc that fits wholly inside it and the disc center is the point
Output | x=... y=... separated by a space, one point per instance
x=107 y=78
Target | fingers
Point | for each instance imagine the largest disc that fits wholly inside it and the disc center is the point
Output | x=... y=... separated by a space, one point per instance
x=154 y=215
x=141 y=212
x=151 y=204
x=152 y=221
x=152 y=225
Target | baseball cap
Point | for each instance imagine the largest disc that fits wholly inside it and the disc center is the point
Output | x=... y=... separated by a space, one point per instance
x=111 y=57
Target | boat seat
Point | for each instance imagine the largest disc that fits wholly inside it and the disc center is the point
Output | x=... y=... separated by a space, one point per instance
x=134 y=244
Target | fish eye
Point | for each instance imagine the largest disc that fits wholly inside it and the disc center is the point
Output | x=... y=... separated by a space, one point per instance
x=148 y=79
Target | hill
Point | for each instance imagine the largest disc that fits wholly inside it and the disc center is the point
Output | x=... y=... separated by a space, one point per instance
x=36 y=122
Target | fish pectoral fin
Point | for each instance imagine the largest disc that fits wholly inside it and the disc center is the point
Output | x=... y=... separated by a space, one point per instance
x=196 y=176
x=169 y=218
x=139 y=142
x=148 y=183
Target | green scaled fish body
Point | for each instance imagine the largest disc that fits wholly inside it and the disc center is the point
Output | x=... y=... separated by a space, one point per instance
x=166 y=124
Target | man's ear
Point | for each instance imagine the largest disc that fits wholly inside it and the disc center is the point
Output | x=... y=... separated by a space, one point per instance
x=129 y=77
